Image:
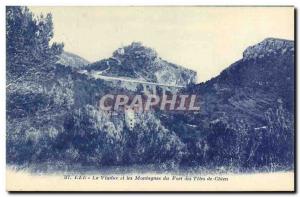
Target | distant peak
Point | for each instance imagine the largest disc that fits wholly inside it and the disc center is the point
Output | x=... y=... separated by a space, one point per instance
x=136 y=49
x=276 y=40
x=269 y=46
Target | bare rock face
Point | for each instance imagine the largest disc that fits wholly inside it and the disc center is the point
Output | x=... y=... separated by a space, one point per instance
x=268 y=47
x=251 y=103
x=143 y=63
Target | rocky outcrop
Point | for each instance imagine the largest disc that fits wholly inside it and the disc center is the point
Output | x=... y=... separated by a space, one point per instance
x=139 y=62
x=246 y=115
x=268 y=47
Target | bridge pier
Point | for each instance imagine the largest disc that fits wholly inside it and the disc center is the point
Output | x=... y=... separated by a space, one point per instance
x=164 y=91
x=149 y=89
x=145 y=91
x=154 y=89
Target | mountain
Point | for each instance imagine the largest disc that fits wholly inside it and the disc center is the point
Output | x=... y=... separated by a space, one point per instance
x=268 y=47
x=247 y=112
x=72 y=60
x=246 y=120
x=140 y=62
x=266 y=68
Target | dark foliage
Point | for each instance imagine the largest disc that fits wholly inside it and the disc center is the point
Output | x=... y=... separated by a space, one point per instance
x=246 y=119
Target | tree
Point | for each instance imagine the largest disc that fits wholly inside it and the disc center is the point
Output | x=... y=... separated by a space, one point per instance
x=29 y=54
x=30 y=58
x=31 y=64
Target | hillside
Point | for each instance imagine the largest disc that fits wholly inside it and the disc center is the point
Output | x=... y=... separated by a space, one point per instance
x=246 y=121
x=72 y=60
x=247 y=112
x=143 y=63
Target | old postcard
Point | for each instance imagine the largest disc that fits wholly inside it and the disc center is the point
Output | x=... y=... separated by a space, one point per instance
x=150 y=98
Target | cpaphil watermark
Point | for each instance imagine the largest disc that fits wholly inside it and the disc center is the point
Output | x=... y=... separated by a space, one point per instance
x=141 y=103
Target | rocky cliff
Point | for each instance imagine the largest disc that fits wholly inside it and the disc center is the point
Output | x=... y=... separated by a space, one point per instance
x=247 y=112
x=139 y=62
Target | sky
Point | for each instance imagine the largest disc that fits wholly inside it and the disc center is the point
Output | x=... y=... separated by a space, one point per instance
x=204 y=39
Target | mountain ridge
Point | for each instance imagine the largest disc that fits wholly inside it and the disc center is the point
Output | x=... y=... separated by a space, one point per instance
x=140 y=62
x=252 y=97
x=72 y=60
x=269 y=46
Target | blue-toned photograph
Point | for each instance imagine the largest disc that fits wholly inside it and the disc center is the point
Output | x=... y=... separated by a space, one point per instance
x=176 y=95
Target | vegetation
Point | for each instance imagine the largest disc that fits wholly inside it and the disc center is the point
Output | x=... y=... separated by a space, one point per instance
x=52 y=113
